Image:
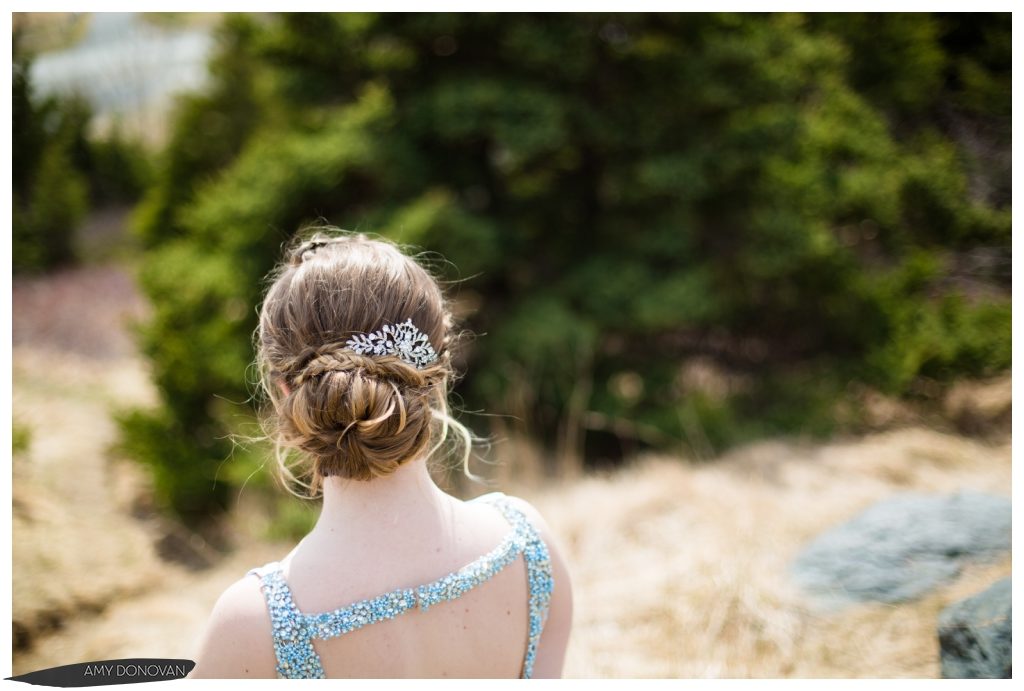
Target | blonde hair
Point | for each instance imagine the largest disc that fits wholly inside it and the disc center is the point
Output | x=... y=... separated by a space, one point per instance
x=351 y=415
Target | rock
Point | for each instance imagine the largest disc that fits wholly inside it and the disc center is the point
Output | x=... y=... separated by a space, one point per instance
x=975 y=635
x=902 y=547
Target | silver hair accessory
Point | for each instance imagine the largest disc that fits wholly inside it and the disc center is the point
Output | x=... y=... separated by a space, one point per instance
x=404 y=340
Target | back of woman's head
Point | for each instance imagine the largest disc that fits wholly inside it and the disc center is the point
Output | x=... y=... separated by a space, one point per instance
x=353 y=412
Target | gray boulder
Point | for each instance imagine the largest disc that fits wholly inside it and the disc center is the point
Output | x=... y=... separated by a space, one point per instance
x=904 y=546
x=975 y=635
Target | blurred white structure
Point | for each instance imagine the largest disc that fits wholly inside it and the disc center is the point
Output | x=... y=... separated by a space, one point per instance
x=128 y=69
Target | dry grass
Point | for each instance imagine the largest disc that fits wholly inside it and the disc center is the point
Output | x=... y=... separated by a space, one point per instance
x=681 y=571
x=73 y=548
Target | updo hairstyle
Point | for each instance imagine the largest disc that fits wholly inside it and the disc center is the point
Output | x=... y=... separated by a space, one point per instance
x=350 y=415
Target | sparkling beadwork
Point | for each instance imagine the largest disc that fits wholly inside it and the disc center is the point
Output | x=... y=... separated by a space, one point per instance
x=294 y=631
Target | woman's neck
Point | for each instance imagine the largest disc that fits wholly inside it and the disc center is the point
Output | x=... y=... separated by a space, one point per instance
x=407 y=496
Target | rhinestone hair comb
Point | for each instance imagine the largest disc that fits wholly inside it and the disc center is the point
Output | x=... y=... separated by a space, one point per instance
x=403 y=340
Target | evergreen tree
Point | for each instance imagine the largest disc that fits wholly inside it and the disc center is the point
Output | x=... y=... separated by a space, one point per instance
x=786 y=194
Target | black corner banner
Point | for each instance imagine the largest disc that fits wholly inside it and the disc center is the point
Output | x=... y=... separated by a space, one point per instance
x=105 y=672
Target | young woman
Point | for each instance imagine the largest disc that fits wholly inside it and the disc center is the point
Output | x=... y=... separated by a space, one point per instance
x=397 y=578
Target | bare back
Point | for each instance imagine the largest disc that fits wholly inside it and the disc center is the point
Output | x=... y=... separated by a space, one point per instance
x=472 y=606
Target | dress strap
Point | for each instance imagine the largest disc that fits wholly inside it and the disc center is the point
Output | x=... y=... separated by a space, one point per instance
x=481 y=570
x=293 y=644
x=538 y=571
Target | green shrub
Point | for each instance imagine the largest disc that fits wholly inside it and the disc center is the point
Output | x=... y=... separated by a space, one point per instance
x=207 y=132
x=43 y=229
x=21 y=438
x=60 y=171
x=119 y=169
x=184 y=468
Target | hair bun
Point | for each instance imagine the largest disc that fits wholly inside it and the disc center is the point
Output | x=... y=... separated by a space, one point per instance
x=358 y=417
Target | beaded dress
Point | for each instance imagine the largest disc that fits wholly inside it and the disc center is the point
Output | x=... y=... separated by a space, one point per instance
x=294 y=631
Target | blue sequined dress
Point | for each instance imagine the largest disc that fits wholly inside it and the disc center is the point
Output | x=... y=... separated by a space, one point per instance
x=294 y=631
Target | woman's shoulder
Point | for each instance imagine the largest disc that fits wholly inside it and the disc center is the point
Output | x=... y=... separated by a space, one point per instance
x=520 y=505
x=236 y=642
x=554 y=640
